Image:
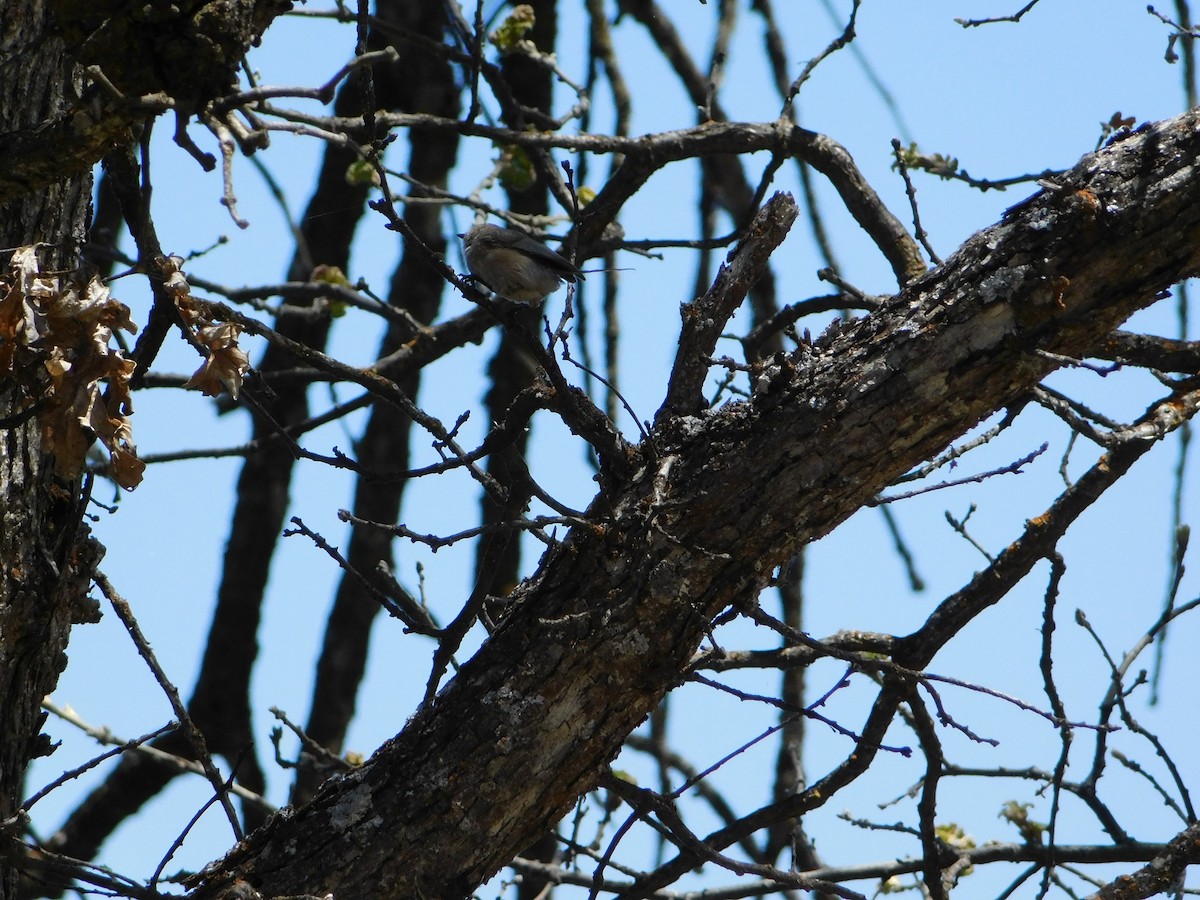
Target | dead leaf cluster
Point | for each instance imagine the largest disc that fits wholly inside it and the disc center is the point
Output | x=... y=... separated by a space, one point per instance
x=226 y=362
x=55 y=334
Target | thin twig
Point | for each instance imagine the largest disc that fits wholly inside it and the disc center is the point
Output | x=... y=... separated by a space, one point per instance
x=1013 y=17
x=918 y=228
x=1013 y=468
x=104 y=736
x=191 y=732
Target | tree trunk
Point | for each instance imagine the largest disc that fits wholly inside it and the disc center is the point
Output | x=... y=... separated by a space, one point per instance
x=614 y=614
x=46 y=557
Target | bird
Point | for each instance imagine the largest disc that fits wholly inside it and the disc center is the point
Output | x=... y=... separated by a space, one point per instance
x=514 y=265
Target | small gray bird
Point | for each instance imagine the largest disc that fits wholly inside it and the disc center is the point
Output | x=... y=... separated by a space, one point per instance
x=514 y=265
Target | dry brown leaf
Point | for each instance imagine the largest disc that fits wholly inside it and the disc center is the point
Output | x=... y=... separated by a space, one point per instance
x=55 y=331
x=226 y=362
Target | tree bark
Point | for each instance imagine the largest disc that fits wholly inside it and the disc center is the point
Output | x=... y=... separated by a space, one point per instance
x=614 y=614
x=154 y=57
x=46 y=557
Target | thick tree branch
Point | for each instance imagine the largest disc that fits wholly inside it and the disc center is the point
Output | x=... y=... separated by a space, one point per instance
x=1161 y=874
x=614 y=614
x=705 y=318
x=187 y=54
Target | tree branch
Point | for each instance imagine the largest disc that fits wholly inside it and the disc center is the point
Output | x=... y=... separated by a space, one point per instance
x=612 y=617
